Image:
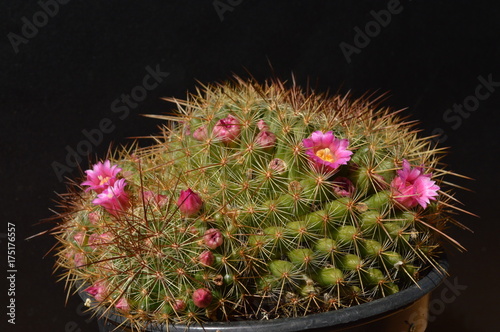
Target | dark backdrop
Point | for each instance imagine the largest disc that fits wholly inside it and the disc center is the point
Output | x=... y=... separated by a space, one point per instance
x=62 y=72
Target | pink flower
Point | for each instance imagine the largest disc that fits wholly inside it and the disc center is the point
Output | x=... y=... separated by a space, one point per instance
x=96 y=240
x=101 y=176
x=206 y=258
x=189 y=203
x=343 y=186
x=262 y=125
x=265 y=139
x=99 y=290
x=202 y=297
x=411 y=187
x=227 y=129
x=201 y=133
x=122 y=304
x=158 y=199
x=213 y=238
x=114 y=198
x=326 y=151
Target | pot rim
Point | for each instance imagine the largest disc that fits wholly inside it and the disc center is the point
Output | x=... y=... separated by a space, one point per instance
x=334 y=318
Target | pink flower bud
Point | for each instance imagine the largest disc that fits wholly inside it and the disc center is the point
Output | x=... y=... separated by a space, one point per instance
x=343 y=186
x=161 y=200
x=179 y=305
x=262 y=125
x=94 y=240
x=151 y=197
x=193 y=230
x=278 y=165
x=227 y=129
x=122 y=304
x=206 y=258
x=202 y=297
x=99 y=290
x=213 y=238
x=189 y=203
x=148 y=195
x=265 y=139
x=201 y=133
x=98 y=240
x=187 y=129
x=79 y=259
x=79 y=237
x=94 y=217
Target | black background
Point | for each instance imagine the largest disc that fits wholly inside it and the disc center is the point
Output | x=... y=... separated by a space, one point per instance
x=64 y=79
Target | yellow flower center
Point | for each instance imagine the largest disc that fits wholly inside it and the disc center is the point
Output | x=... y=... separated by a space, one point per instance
x=102 y=179
x=326 y=155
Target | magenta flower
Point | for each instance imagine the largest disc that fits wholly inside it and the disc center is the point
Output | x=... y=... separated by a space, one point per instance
x=99 y=290
x=411 y=187
x=122 y=304
x=189 y=203
x=343 y=187
x=202 y=297
x=101 y=176
x=206 y=258
x=213 y=238
x=265 y=139
x=114 y=198
x=201 y=133
x=326 y=151
x=227 y=129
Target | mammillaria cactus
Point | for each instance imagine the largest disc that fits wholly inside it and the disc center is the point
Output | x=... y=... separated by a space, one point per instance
x=258 y=201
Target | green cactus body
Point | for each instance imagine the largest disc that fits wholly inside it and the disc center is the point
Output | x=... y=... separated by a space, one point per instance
x=275 y=226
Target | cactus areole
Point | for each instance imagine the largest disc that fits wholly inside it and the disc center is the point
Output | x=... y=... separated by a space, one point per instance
x=258 y=202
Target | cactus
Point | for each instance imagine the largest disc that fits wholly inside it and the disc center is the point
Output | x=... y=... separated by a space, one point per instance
x=257 y=201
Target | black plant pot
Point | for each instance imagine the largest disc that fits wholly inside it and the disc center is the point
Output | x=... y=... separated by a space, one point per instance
x=404 y=311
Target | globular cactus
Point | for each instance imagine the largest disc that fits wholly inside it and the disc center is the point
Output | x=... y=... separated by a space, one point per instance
x=258 y=201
